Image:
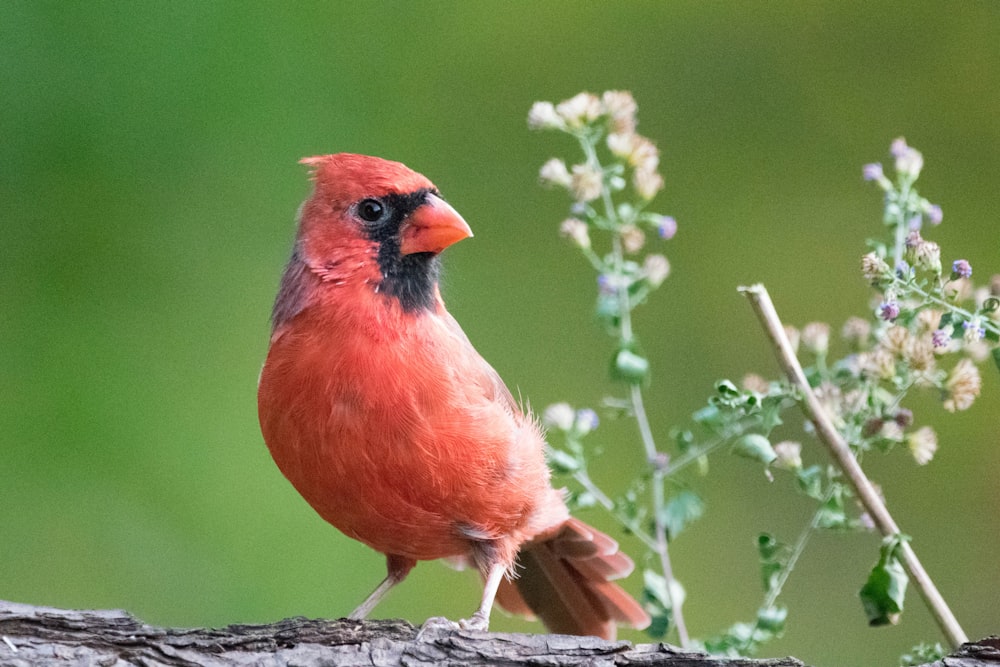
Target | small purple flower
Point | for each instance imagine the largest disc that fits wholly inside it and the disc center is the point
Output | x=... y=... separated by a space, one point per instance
x=902 y=269
x=961 y=268
x=898 y=147
x=915 y=222
x=872 y=172
x=941 y=338
x=973 y=330
x=604 y=284
x=934 y=214
x=888 y=310
x=666 y=227
x=586 y=420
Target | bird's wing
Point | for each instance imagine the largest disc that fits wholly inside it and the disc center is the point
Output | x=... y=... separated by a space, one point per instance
x=481 y=372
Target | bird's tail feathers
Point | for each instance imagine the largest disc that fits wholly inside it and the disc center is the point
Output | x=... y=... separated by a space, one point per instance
x=566 y=580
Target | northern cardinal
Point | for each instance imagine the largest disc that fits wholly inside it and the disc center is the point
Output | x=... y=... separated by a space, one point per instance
x=377 y=408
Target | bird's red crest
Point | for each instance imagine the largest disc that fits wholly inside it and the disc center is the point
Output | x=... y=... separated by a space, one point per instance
x=357 y=176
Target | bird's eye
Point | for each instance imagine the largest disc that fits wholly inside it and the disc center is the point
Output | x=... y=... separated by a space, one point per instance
x=370 y=210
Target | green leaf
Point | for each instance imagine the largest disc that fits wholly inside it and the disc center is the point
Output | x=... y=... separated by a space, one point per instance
x=657 y=603
x=709 y=416
x=883 y=593
x=630 y=367
x=770 y=415
x=682 y=439
x=681 y=510
x=923 y=654
x=607 y=309
x=733 y=642
x=771 y=621
x=831 y=513
x=756 y=447
x=727 y=389
x=771 y=564
x=562 y=462
x=996 y=357
x=811 y=481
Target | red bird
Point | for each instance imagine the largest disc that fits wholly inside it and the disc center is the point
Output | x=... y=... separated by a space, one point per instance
x=379 y=411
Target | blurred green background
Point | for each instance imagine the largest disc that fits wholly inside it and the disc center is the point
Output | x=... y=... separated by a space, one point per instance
x=148 y=183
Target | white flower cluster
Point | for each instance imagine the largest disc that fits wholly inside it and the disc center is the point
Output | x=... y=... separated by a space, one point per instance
x=613 y=113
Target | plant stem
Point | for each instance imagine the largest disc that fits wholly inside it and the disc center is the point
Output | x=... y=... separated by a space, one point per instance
x=986 y=323
x=626 y=337
x=652 y=456
x=800 y=545
x=664 y=552
x=827 y=433
x=793 y=557
x=602 y=498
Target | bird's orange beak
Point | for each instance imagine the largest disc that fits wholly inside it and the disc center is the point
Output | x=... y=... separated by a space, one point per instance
x=432 y=227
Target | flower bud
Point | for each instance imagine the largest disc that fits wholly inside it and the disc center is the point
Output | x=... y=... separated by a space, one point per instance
x=922 y=443
x=961 y=268
x=575 y=230
x=816 y=337
x=633 y=238
x=647 y=183
x=874 y=268
x=789 y=455
x=666 y=227
x=927 y=256
x=586 y=183
x=580 y=109
x=621 y=107
x=656 y=268
x=620 y=145
x=543 y=116
x=554 y=172
x=888 y=310
x=872 y=172
x=941 y=338
x=909 y=161
x=856 y=332
x=559 y=416
x=962 y=386
x=586 y=421
x=974 y=330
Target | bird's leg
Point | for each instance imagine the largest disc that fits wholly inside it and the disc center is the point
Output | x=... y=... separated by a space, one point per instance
x=398 y=567
x=481 y=619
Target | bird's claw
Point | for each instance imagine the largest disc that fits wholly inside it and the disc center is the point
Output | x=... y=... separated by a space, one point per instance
x=479 y=621
x=438 y=624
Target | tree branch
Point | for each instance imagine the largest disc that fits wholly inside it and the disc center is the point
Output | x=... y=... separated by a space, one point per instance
x=828 y=435
x=43 y=635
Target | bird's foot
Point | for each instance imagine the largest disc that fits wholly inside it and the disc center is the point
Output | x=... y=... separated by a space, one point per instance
x=478 y=621
x=436 y=625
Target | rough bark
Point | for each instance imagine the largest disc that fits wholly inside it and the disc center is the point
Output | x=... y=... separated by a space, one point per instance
x=41 y=635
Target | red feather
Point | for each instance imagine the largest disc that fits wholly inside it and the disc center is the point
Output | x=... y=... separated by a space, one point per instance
x=377 y=408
